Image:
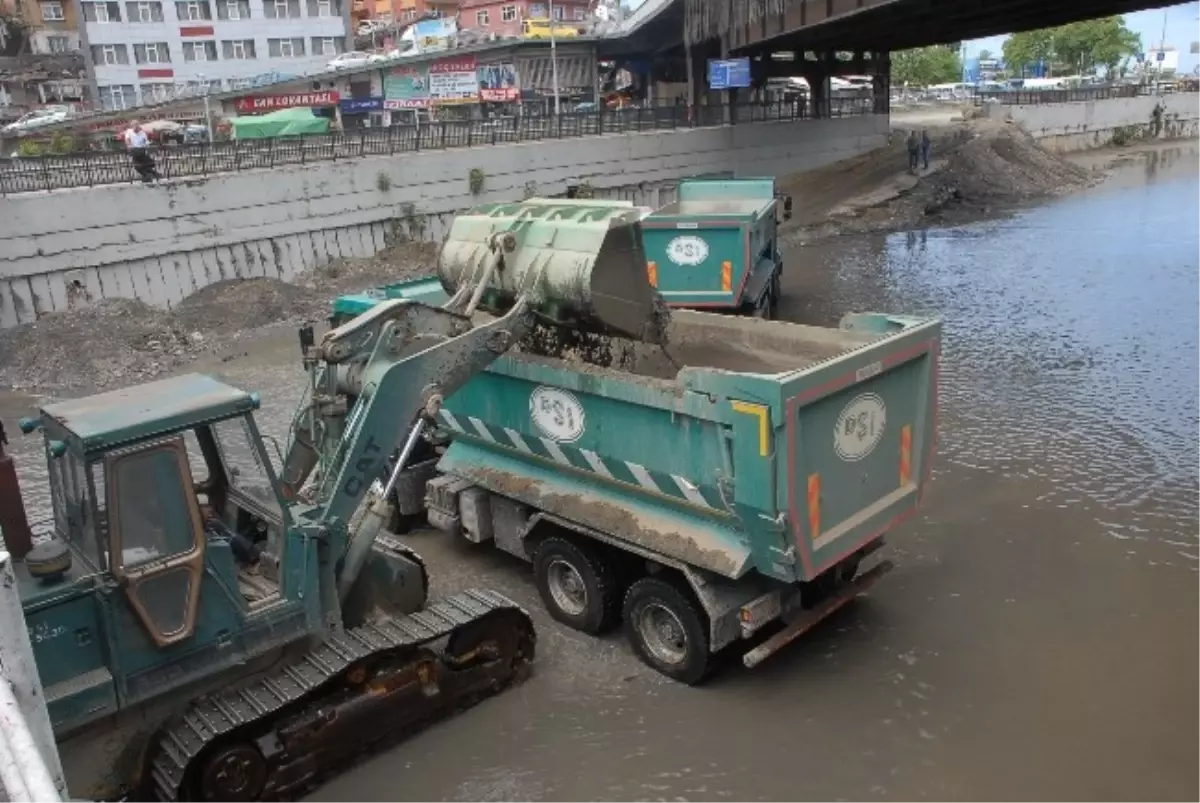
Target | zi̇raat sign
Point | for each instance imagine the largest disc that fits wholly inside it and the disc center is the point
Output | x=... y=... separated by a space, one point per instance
x=270 y=103
x=406 y=88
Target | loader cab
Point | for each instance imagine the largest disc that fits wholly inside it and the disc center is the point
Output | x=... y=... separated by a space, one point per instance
x=167 y=542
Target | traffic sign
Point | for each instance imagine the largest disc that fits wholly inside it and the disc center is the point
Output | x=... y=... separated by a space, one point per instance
x=728 y=73
x=1160 y=56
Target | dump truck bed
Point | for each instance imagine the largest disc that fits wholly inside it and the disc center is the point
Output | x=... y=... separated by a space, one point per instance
x=743 y=446
x=715 y=246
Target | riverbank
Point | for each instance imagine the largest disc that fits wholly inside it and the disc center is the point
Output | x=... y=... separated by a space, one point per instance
x=980 y=169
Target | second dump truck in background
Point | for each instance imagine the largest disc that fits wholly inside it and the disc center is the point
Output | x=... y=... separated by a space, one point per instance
x=717 y=247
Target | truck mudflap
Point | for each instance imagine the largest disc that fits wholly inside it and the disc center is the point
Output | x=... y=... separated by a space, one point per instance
x=808 y=619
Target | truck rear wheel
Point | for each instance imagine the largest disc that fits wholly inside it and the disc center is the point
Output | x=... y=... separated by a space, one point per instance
x=667 y=630
x=577 y=585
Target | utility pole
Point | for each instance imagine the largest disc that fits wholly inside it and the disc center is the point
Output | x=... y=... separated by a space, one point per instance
x=554 y=63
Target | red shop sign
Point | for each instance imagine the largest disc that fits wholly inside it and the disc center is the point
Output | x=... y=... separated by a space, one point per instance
x=270 y=103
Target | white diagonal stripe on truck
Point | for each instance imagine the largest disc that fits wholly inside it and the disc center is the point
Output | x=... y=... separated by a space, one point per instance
x=690 y=491
x=482 y=429
x=451 y=421
x=555 y=452
x=596 y=463
x=643 y=477
x=517 y=440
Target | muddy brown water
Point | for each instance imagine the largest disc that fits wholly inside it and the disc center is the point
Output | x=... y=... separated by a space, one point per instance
x=1038 y=639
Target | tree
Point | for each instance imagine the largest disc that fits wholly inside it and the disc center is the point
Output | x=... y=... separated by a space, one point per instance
x=922 y=66
x=985 y=54
x=1079 y=47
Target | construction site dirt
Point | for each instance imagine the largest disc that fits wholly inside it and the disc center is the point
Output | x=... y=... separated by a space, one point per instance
x=1039 y=636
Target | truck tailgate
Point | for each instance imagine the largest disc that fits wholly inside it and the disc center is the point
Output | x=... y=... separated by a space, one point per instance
x=696 y=266
x=859 y=433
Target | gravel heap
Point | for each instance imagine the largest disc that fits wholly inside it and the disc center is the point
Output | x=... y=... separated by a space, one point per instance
x=122 y=341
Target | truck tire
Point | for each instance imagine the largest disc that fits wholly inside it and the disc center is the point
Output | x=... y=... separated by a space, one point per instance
x=578 y=586
x=667 y=629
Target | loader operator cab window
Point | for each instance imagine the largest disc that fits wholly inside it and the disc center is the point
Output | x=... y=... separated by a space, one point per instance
x=245 y=465
x=155 y=536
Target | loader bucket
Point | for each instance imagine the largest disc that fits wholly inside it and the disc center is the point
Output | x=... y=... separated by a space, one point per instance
x=580 y=263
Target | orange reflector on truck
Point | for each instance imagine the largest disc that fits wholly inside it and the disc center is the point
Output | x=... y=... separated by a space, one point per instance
x=727 y=276
x=652 y=272
x=905 y=453
x=814 y=505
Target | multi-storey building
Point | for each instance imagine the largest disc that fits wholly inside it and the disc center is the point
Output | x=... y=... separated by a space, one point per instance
x=503 y=17
x=40 y=63
x=149 y=51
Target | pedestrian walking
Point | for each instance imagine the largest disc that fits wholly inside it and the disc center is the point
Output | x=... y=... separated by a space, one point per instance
x=138 y=144
x=914 y=150
x=926 y=147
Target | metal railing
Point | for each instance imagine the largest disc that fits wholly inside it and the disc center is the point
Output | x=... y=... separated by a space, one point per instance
x=1024 y=97
x=50 y=172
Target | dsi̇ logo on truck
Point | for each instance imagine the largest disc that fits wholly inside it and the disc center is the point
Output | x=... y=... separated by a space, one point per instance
x=859 y=427
x=557 y=414
x=687 y=249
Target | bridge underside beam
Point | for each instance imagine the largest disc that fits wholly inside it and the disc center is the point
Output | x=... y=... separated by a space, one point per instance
x=902 y=24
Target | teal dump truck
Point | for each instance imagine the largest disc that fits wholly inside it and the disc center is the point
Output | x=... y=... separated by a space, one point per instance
x=733 y=499
x=717 y=247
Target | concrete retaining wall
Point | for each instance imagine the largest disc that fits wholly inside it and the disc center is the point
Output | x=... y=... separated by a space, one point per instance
x=1065 y=127
x=161 y=243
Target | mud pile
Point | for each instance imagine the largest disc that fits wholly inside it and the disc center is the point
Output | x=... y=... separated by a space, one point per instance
x=981 y=167
x=119 y=342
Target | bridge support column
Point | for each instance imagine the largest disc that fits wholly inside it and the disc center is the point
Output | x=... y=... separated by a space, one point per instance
x=881 y=81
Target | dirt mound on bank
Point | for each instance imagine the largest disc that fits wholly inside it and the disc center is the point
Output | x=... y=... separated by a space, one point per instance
x=122 y=341
x=979 y=168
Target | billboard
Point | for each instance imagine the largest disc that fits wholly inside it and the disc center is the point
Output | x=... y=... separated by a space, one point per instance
x=498 y=83
x=728 y=73
x=406 y=88
x=429 y=36
x=454 y=81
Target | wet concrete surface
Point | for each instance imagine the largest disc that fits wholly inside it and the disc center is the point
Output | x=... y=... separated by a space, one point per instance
x=1038 y=638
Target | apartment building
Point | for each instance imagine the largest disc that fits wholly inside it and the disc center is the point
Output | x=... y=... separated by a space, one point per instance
x=51 y=25
x=149 y=51
x=503 y=17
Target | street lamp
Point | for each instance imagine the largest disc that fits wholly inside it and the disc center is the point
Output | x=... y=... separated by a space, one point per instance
x=207 y=115
x=554 y=63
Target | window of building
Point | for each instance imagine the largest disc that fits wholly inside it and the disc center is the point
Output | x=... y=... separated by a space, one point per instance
x=193 y=10
x=157 y=93
x=52 y=11
x=328 y=45
x=579 y=13
x=152 y=53
x=559 y=13
x=508 y=13
x=233 y=10
x=110 y=54
x=324 y=8
x=481 y=18
x=118 y=96
x=200 y=51
x=281 y=9
x=58 y=44
x=238 y=49
x=537 y=11
x=143 y=11
x=101 y=12
x=286 y=48
x=410 y=14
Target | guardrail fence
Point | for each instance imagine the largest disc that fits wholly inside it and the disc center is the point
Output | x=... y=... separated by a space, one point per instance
x=51 y=172
x=1024 y=97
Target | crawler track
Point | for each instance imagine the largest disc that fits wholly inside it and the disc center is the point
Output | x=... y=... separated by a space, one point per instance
x=279 y=735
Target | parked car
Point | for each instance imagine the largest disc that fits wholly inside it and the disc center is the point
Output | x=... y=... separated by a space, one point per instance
x=355 y=58
x=37 y=118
